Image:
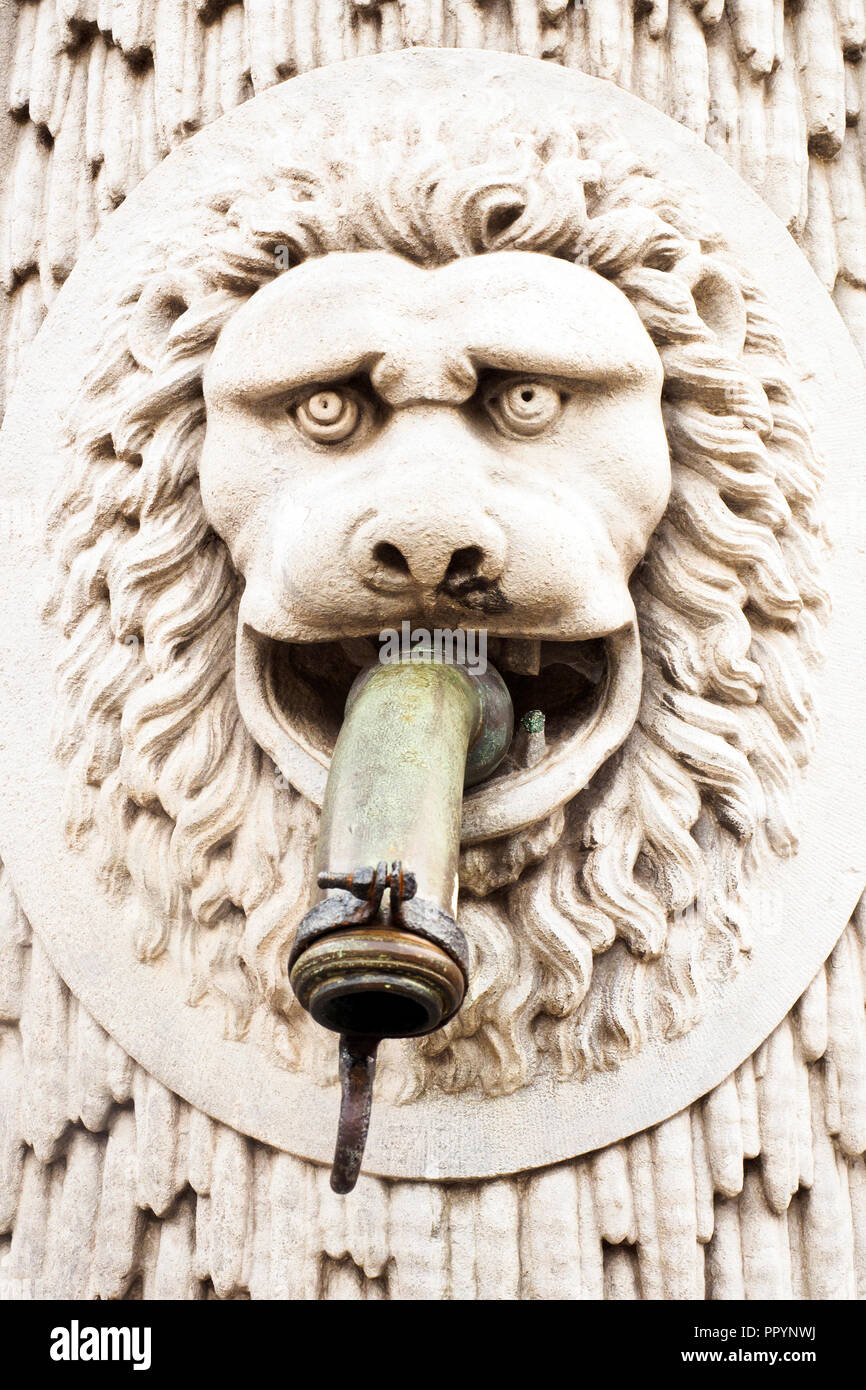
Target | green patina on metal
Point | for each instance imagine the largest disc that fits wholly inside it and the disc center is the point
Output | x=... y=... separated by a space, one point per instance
x=395 y=789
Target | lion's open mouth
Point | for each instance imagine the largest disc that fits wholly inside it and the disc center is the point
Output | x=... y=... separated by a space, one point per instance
x=559 y=679
x=292 y=697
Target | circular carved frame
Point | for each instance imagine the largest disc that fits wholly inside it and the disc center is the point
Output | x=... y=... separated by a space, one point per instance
x=804 y=903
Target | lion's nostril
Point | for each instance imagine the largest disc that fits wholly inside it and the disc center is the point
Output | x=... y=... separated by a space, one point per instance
x=430 y=562
x=390 y=558
x=464 y=564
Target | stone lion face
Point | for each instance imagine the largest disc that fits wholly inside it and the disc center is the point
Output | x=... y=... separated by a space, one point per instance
x=476 y=444
x=501 y=386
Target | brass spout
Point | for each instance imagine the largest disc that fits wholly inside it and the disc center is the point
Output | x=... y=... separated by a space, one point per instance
x=415 y=732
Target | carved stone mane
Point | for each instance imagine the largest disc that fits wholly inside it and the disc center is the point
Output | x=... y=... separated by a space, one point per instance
x=604 y=921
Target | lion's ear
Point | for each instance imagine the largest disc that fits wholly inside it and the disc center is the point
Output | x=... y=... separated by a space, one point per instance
x=165 y=297
x=718 y=300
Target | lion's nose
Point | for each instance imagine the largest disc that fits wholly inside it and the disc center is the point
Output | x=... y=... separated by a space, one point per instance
x=430 y=559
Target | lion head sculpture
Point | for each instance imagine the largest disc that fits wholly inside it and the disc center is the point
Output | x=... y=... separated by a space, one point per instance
x=232 y=529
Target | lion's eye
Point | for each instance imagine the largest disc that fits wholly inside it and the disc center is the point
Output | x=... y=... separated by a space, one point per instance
x=526 y=407
x=328 y=417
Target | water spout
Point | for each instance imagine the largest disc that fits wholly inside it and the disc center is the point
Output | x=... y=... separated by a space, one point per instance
x=380 y=955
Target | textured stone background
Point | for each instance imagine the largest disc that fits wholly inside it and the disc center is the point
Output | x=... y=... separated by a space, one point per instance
x=100 y=90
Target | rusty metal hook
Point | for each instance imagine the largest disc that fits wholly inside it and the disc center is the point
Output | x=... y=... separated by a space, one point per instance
x=357 y=1070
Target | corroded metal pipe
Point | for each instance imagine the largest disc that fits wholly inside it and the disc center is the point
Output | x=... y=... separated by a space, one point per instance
x=415 y=732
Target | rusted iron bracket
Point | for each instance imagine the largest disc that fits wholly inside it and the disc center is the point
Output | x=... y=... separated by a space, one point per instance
x=360 y=902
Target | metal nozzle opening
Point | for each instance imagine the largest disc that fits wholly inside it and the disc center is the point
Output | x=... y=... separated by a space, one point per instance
x=389 y=983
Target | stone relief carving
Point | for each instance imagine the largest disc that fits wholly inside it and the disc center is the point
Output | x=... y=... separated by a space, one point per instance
x=430 y=285
x=499 y=873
